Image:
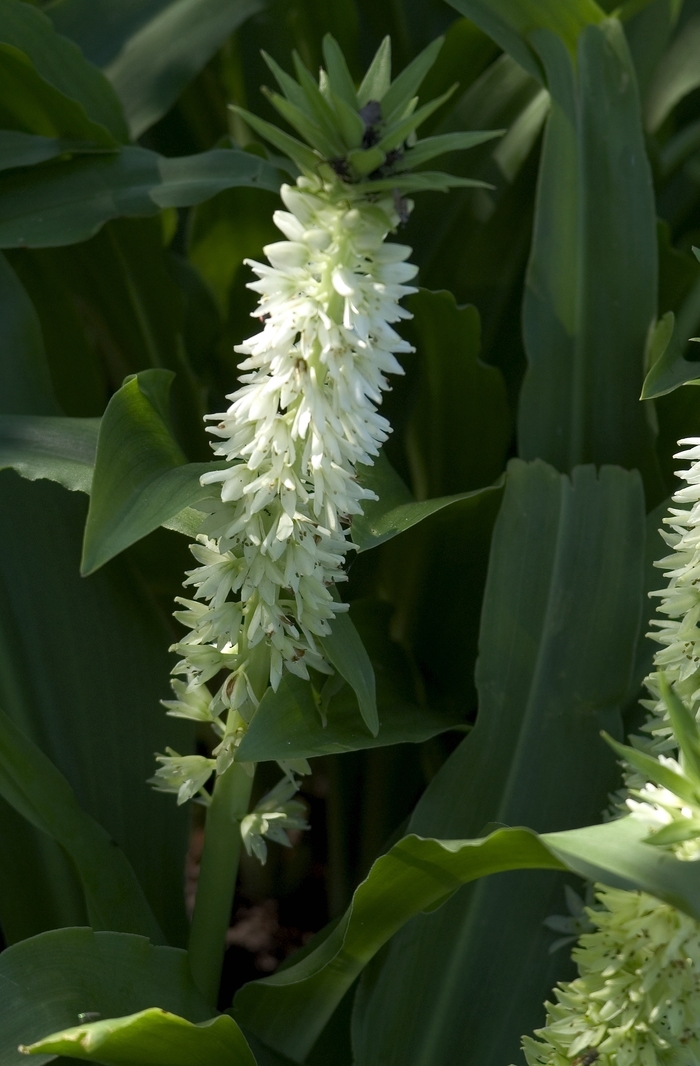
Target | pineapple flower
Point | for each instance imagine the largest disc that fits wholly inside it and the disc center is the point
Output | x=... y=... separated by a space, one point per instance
x=678 y=631
x=637 y=997
x=304 y=418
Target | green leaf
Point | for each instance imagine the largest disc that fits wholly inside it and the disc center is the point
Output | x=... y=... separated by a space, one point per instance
x=31 y=784
x=298 y=152
x=107 y=650
x=461 y=425
x=676 y=75
x=338 y=74
x=512 y=24
x=320 y=108
x=685 y=728
x=19 y=149
x=397 y=134
x=142 y=478
x=561 y=611
x=162 y=56
x=306 y=126
x=88 y=697
x=42 y=446
x=25 y=383
x=346 y=652
x=66 y=202
x=675 y=832
x=430 y=147
x=378 y=77
x=349 y=122
x=291 y=88
x=289 y=1009
x=74 y=85
x=404 y=87
x=396 y=511
x=288 y=725
x=668 y=368
x=617 y=854
x=590 y=293
x=655 y=771
x=151 y=1038
x=49 y=980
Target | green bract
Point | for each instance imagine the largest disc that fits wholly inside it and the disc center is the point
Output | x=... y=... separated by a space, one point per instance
x=366 y=135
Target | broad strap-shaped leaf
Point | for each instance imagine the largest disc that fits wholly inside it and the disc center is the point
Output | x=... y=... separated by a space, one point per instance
x=152 y=1037
x=676 y=75
x=45 y=446
x=289 y=1009
x=88 y=698
x=58 y=72
x=31 y=784
x=288 y=725
x=396 y=510
x=560 y=617
x=19 y=149
x=461 y=425
x=25 y=382
x=150 y=51
x=590 y=296
x=49 y=980
x=64 y=202
x=142 y=478
x=512 y=23
x=345 y=651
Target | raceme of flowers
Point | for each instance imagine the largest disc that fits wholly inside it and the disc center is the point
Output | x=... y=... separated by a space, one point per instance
x=273 y=544
x=678 y=631
x=637 y=997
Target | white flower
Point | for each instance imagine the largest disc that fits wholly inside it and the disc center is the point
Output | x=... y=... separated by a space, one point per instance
x=305 y=415
x=678 y=632
x=302 y=420
x=636 y=1001
x=272 y=817
x=184 y=774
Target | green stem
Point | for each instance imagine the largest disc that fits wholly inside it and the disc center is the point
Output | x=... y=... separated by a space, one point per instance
x=217 y=878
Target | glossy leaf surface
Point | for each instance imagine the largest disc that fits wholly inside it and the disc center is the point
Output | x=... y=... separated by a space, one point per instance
x=33 y=786
x=289 y=1009
x=149 y=51
x=141 y=478
x=51 y=979
x=396 y=511
x=152 y=1037
x=547 y=683
x=513 y=24
x=45 y=446
x=288 y=725
x=590 y=295
x=88 y=696
x=65 y=202
x=53 y=69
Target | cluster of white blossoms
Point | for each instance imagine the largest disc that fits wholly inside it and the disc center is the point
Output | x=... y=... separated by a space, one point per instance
x=273 y=544
x=679 y=631
x=636 y=1001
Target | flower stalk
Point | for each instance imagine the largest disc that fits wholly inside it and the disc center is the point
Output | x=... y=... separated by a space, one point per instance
x=301 y=424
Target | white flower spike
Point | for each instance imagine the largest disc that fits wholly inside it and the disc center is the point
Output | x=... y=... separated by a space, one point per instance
x=304 y=418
